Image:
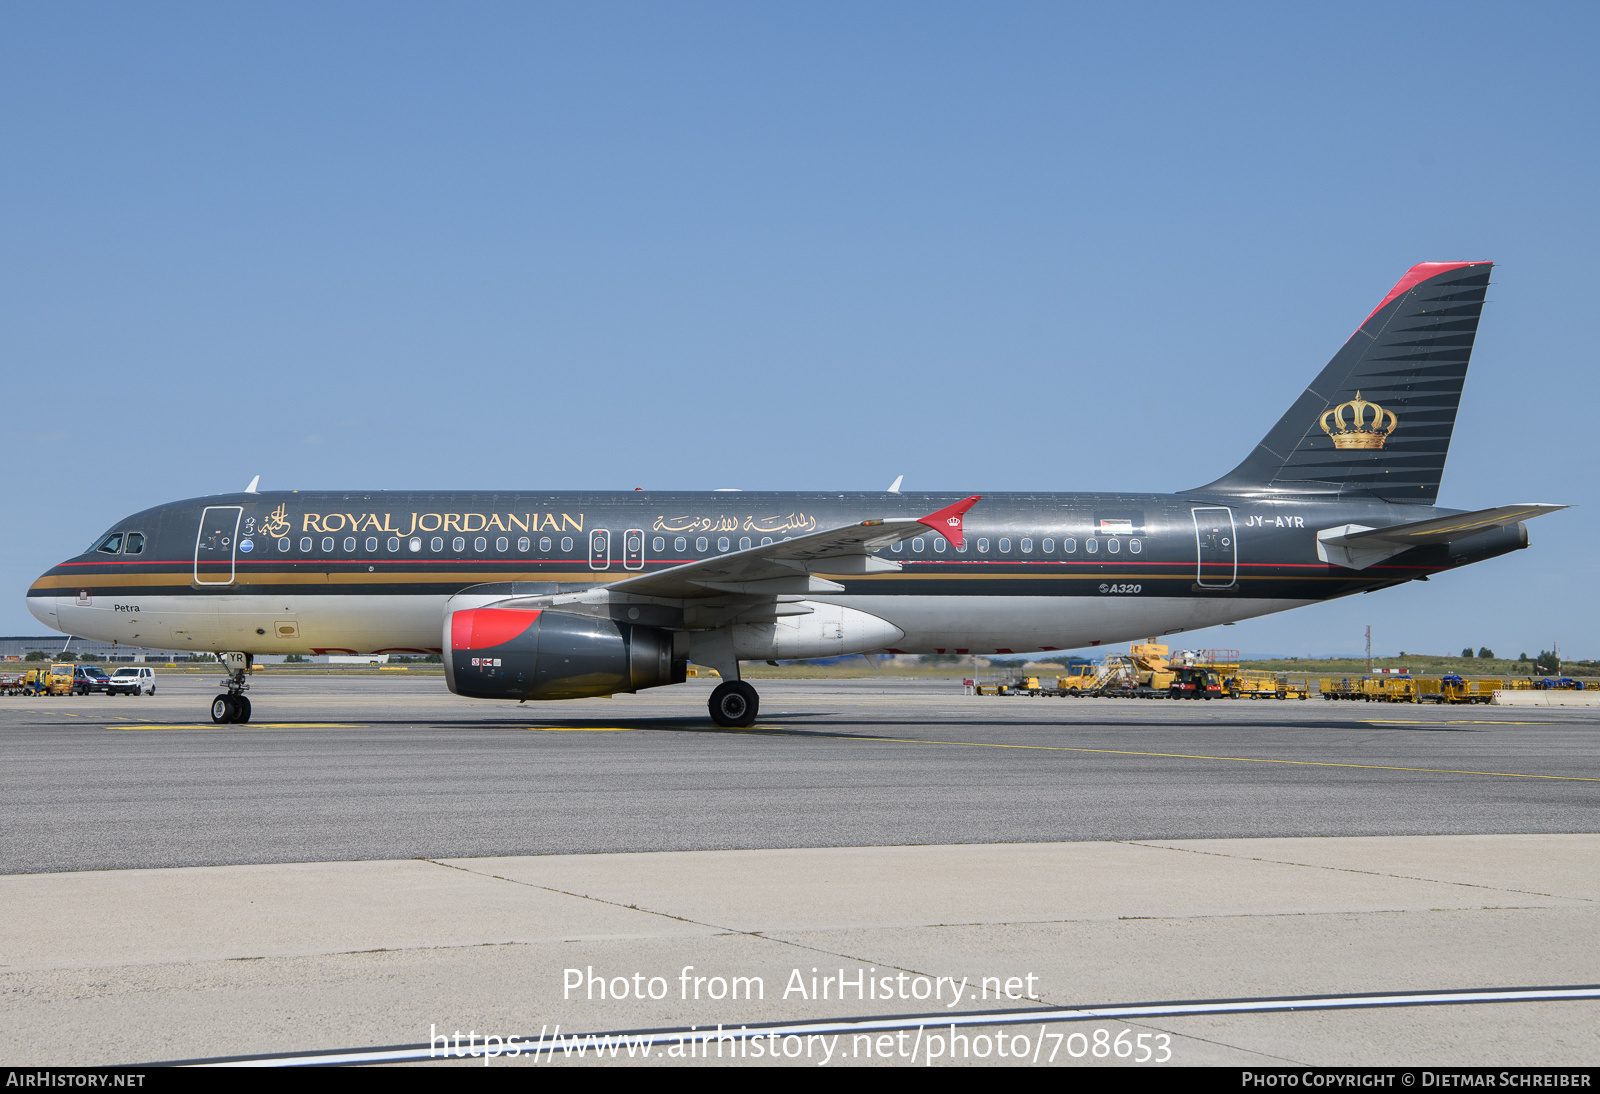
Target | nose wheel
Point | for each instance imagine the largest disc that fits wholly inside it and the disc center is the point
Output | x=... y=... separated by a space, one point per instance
x=230 y=708
x=734 y=704
x=231 y=705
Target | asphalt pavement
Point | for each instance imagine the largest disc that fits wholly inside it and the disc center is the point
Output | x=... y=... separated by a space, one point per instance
x=345 y=768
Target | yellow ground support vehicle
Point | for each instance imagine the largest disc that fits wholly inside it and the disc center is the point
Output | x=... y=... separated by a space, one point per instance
x=1079 y=679
x=1389 y=689
x=1339 y=688
x=1254 y=684
x=55 y=680
x=1453 y=689
x=1251 y=684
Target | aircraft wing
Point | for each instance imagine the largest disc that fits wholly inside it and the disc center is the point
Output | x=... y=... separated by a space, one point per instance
x=789 y=566
x=1357 y=546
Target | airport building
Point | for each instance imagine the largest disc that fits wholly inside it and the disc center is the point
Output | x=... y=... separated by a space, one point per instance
x=60 y=647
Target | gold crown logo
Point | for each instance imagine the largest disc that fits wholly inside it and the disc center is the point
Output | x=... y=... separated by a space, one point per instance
x=1359 y=431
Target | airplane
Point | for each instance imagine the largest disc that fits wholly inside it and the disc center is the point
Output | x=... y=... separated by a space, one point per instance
x=542 y=595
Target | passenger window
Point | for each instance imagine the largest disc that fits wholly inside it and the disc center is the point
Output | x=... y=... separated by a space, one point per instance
x=523 y=543
x=480 y=545
x=135 y=543
x=939 y=544
x=1027 y=546
x=1133 y=545
x=372 y=545
x=415 y=544
x=502 y=544
x=458 y=544
x=111 y=544
x=1005 y=546
x=1091 y=545
x=327 y=545
x=393 y=544
x=702 y=544
x=1113 y=545
x=897 y=547
x=744 y=544
x=566 y=544
x=917 y=545
x=1069 y=545
x=766 y=541
x=438 y=543
x=350 y=544
x=1048 y=546
x=305 y=544
x=544 y=545
x=983 y=546
x=658 y=544
x=680 y=545
x=723 y=543
x=283 y=544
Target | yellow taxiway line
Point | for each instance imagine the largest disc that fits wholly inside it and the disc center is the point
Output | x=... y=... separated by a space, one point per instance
x=1229 y=759
x=252 y=725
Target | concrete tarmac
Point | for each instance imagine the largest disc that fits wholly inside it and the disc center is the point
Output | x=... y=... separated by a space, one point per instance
x=131 y=966
x=372 y=860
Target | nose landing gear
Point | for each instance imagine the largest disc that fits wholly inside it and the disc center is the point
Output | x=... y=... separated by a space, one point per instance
x=233 y=706
x=734 y=704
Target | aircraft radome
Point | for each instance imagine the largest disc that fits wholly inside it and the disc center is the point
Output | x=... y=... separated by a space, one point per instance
x=556 y=595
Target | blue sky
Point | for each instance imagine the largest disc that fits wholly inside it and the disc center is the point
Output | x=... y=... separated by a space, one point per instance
x=1020 y=247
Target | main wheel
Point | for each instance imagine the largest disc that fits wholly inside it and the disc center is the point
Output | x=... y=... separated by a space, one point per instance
x=734 y=703
x=241 y=707
x=222 y=709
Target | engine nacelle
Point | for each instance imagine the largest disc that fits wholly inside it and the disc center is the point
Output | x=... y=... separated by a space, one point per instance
x=504 y=653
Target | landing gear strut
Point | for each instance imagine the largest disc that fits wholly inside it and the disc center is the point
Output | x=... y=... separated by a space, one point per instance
x=233 y=705
x=734 y=704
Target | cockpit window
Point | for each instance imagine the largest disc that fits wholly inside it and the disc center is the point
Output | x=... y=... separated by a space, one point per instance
x=111 y=544
x=135 y=543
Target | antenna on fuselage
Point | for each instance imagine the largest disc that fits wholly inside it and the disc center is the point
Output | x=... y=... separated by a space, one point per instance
x=894 y=487
x=255 y=482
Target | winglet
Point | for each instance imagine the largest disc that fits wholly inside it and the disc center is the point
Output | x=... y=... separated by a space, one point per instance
x=947 y=521
x=255 y=482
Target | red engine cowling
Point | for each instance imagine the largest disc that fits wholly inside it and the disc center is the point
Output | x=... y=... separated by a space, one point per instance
x=506 y=653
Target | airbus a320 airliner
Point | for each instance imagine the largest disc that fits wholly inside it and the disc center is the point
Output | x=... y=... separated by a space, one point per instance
x=546 y=595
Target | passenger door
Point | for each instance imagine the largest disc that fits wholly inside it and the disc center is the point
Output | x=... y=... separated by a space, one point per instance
x=1216 y=545
x=216 y=544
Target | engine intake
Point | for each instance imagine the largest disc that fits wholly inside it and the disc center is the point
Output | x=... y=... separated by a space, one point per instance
x=505 y=653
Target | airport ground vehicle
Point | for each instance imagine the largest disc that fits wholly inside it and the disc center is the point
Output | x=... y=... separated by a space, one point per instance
x=55 y=680
x=1415 y=689
x=553 y=595
x=87 y=679
x=11 y=682
x=133 y=680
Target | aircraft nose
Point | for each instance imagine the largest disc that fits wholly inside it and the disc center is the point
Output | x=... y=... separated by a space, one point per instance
x=43 y=608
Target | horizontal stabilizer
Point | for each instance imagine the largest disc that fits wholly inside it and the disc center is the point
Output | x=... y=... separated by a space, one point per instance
x=1357 y=546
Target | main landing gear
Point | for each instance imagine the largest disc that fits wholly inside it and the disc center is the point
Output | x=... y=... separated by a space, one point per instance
x=233 y=705
x=734 y=704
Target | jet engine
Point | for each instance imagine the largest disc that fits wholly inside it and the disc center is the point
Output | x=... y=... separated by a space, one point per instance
x=504 y=653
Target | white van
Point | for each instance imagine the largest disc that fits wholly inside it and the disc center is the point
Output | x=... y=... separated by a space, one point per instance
x=133 y=679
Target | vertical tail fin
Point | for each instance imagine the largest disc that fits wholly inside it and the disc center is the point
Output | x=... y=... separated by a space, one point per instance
x=1377 y=420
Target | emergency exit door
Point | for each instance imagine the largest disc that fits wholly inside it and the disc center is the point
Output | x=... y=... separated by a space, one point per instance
x=599 y=549
x=216 y=545
x=1217 y=548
